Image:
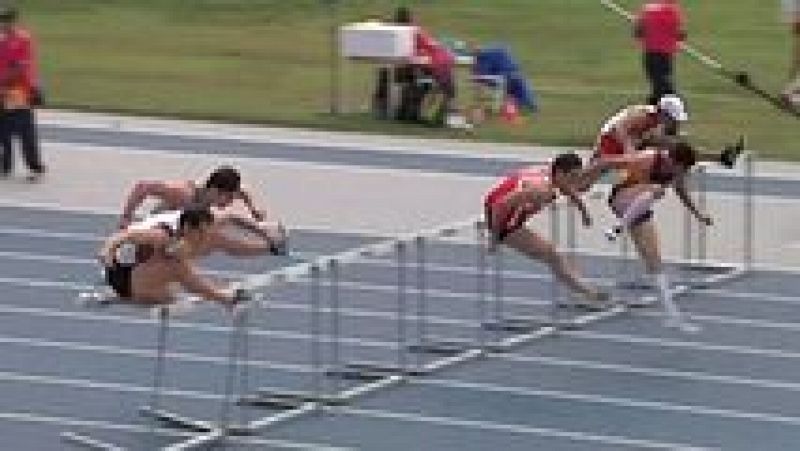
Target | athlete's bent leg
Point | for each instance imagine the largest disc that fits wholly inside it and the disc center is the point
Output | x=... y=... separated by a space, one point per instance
x=532 y=245
x=645 y=239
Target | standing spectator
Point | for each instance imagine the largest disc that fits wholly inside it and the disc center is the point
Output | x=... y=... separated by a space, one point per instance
x=791 y=10
x=20 y=92
x=659 y=29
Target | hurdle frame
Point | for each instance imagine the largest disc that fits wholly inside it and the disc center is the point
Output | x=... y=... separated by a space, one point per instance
x=308 y=403
x=155 y=412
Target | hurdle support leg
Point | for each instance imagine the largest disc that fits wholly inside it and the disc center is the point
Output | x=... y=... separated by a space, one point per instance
x=213 y=432
x=283 y=400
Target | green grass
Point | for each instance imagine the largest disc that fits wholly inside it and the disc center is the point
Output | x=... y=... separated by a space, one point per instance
x=266 y=61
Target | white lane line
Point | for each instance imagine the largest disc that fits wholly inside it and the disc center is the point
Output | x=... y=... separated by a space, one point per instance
x=387 y=345
x=650 y=372
x=295 y=137
x=67 y=260
x=183 y=325
x=345 y=140
x=44 y=283
x=516 y=429
x=90 y=384
x=147 y=353
x=722 y=294
x=44 y=233
x=87 y=236
x=378 y=262
x=617 y=338
x=49 y=258
x=70 y=422
x=81 y=236
x=610 y=400
x=680 y=344
x=386 y=288
x=241 y=159
x=95 y=238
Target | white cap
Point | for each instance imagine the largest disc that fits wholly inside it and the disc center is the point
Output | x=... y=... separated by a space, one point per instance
x=673 y=107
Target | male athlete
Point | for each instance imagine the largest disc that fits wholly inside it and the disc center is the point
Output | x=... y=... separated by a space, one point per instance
x=144 y=261
x=219 y=191
x=524 y=193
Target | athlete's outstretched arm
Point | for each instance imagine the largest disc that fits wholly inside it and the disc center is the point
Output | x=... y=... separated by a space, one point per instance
x=597 y=167
x=154 y=238
x=241 y=247
x=195 y=283
x=137 y=195
x=576 y=200
x=247 y=199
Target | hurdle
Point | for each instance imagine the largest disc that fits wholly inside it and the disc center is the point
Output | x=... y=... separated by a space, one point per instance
x=154 y=410
x=371 y=375
x=695 y=252
x=410 y=255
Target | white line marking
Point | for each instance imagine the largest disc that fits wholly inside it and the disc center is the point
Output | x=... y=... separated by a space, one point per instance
x=67 y=260
x=610 y=400
x=371 y=261
x=693 y=345
x=347 y=140
x=293 y=137
x=43 y=283
x=717 y=319
x=43 y=233
x=147 y=353
x=619 y=338
x=91 y=384
x=650 y=372
x=197 y=327
x=24 y=256
x=244 y=160
x=516 y=429
x=93 y=237
x=27 y=417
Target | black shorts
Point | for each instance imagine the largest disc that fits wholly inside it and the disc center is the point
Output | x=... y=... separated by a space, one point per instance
x=641 y=219
x=118 y=277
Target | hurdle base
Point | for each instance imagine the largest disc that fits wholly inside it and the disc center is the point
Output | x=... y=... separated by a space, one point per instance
x=442 y=347
x=84 y=441
x=513 y=324
x=634 y=285
x=177 y=421
x=371 y=371
x=641 y=302
x=703 y=266
x=562 y=324
x=287 y=399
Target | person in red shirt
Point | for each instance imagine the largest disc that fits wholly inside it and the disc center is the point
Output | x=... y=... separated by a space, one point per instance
x=659 y=29
x=435 y=60
x=791 y=11
x=19 y=93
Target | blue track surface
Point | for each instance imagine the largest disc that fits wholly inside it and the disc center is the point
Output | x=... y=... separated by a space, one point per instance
x=624 y=383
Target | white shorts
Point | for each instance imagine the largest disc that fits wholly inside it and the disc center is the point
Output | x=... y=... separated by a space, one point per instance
x=791 y=10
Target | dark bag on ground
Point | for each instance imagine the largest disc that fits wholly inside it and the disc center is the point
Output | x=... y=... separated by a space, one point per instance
x=417 y=97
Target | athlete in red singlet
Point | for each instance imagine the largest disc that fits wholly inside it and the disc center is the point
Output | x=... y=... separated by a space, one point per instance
x=643 y=126
x=524 y=193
